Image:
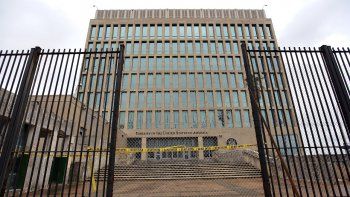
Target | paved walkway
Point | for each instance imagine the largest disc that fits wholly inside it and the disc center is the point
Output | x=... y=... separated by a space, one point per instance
x=211 y=187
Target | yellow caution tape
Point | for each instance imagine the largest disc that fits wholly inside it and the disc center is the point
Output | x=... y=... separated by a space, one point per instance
x=144 y=150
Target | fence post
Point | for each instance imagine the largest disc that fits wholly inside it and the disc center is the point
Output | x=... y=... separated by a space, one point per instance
x=17 y=115
x=112 y=148
x=257 y=121
x=339 y=85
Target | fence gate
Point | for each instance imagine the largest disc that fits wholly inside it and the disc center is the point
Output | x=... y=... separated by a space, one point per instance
x=50 y=142
x=301 y=108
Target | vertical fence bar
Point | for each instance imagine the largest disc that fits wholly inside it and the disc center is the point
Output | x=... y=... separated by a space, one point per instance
x=112 y=147
x=257 y=122
x=17 y=115
x=338 y=84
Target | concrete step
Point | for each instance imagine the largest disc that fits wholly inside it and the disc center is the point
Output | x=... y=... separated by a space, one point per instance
x=181 y=170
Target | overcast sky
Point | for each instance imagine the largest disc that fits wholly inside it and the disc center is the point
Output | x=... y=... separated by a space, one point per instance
x=64 y=23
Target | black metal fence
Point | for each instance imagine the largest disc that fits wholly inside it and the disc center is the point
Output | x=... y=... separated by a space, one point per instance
x=52 y=134
x=58 y=120
x=300 y=100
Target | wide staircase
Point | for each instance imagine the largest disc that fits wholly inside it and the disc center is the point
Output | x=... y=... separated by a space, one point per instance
x=172 y=170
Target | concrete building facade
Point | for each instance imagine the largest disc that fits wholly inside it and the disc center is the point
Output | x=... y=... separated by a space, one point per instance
x=183 y=79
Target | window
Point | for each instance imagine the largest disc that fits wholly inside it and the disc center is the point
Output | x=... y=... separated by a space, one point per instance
x=184 y=99
x=150 y=81
x=149 y=99
x=190 y=62
x=238 y=118
x=211 y=118
x=133 y=82
x=216 y=81
x=92 y=32
x=174 y=31
x=174 y=48
x=220 y=48
x=210 y=100
x=193 y=99
x=167 y=81
x=240 y=31
x=175 y=81
x=121 y=119
x=174 y=63
x=159 y=81
x=144 y=48
x=261 y=29
x=235 y=99
x=167 y=48
x=200 y=80
x=143 y=64
x=189 y=48
x=108 y=32
x=227 y=99
x=182 y=63
x=218 y=31
x=244 y=99
x=203 y=119
x=208 y=81
x=203 y=31
x=167 y=31
x=158 y=99
x=229 y=118
x=151 y=50
x=167 y=119
x=167 y=99
x=158 y=119
x=192 y=81
x=135 y=64
x=240 y=81
x=196 y=31
x=184 y=119
x=201 y=99
x=212 y=48
x=148 y=119
x=122 y=31
x=176 y=119
x=152 y=31
x=132 y=100
x=151 y=64
x=141 y=100
x=198 y=47
x=92 y=81
x=159 y=31
x=238 y=63
x=233 y=32
x=247 y=32
x=211 y=31
x=144 y=31
x=131 y=120
x=182 y=31
x=99 y=33
x=183 y=81
x=224 y=81
x=205 y=47
x=214 y=63
x=218 y=99
x=139 y=120
x=175 y=99
x=130 y=32
x=221 y=118
x=228 y=47
x=194 y=119
x=123 y=101
x=189 y=31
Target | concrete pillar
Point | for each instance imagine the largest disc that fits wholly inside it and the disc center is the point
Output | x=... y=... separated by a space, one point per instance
x=143 y=145
x=200 y=144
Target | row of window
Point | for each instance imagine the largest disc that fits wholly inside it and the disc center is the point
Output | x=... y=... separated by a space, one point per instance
x=183 y=99
x=190 y=31
x=179 y=81
x=187 y=99
x=182 y=47
x=191 y=63
x=184 y=119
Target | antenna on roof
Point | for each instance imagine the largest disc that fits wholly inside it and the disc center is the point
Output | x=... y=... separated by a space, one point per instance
x=95 y=6
x=265 y=5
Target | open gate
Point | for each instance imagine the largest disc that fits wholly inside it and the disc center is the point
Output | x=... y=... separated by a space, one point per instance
x=301 y=109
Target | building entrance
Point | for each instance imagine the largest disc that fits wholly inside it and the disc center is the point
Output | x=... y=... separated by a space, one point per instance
x=172 y=142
